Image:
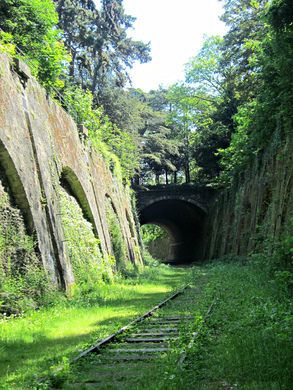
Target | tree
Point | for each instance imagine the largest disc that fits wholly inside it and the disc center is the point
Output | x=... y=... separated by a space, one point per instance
x=31 y=24
x=195 y=111
x=242 y=45
x=113 y=143
x=101 y=51
x=161 y=150
x=158 y=152
x=264 y=116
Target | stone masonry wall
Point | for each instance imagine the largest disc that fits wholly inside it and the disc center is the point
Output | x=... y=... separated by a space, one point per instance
x=256 y=211
x=39 y=146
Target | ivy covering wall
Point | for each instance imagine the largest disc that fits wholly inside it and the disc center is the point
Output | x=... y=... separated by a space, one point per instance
x=117 y=240
x=23 y=282
x=90 y=268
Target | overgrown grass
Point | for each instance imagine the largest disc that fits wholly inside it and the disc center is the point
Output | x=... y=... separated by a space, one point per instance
x=246 y=343
x=31 y=344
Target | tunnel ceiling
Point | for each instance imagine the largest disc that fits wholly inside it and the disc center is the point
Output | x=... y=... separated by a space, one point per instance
x=184 y=221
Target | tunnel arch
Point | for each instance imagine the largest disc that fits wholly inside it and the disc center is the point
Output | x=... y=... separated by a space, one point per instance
x=184 y=222
x=70 y=182
x=13 y=185
x=184 y=198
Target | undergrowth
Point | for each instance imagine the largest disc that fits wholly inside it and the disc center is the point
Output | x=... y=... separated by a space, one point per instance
x=246 y=342
x=23 y=282
x=117 y=239
x=90 y=268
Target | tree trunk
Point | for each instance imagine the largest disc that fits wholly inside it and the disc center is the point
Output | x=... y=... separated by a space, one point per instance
x=72 y=63
x=166 y=176
x=157 y=178
x=187 y=172
x=186 y=165
x=175 y=177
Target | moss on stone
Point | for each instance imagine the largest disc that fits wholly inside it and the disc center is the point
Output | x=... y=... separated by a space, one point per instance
x=89 y=266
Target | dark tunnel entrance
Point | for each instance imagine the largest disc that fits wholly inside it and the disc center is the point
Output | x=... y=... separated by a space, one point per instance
x=184 y=222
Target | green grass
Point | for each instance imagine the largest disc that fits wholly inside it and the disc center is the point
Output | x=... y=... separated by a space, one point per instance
x=246 y=342
x=95 y=371
x=30 y=345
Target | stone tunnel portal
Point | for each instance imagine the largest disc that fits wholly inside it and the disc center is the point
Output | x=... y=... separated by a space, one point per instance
x=184 y=222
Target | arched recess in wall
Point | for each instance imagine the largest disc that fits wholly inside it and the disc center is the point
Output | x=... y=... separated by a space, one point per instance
x=69 y=181
x=11 y=180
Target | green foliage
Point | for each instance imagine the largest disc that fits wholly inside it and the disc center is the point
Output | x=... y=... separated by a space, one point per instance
x=203 y=72
x=117 y=239
x=79 y=104
x=237 y=155
x=160 y=150
x=99 y=45
x=24 y=284
x=89 y=267
x=116 y=146
x=6 y=43
x=190 y=122
x=151 y=233
x=191 y=117
x=32 y=28
x=268 y=115
x=237 y=94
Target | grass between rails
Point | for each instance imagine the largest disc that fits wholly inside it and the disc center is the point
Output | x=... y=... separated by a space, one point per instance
x=30 y=346
x=103 y=371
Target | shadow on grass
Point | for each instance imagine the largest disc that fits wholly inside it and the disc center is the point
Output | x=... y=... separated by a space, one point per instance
x=20 y=360
x=44 y=352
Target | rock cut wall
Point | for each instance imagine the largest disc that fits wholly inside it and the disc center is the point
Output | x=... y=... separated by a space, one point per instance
x=40 y=147
x=256 y=212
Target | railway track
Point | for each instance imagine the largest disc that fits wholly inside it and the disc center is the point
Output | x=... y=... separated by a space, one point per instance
x=137 y=352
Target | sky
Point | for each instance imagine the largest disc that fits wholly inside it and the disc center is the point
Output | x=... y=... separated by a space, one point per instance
x=175 y=29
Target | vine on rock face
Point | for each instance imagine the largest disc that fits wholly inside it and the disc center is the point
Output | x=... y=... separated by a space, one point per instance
x=24 y=284
x=90 y=268
x=118 y=245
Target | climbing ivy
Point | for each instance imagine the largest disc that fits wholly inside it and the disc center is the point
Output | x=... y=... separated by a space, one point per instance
x=23 y=282
x=89 y=266
x=118 y=244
